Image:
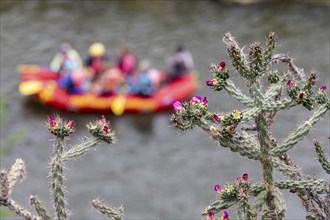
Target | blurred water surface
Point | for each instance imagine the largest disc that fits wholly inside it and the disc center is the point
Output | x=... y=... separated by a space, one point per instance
x=154 y=170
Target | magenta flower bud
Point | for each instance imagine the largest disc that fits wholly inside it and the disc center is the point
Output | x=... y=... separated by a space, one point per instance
x=291 y=84
x=322 y=89
x=177 y=106
x=106 y=129
x=52 y=121
x=217 y=188
x=210 y=215
x=71 y=124
x=103 y=120
x=196 y=99
x=225 y=216
x=222 y=66
x=301 y=95
x=245 y=177
x=211 y=83
x=205 y=101
x=217 y=118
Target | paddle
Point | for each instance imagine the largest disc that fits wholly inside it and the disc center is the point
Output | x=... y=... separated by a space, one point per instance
x=119 y=103
x=30 y=87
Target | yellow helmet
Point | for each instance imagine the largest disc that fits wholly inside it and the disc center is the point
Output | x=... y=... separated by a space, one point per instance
x=96 y=49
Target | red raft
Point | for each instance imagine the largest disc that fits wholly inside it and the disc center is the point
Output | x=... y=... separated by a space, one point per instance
x=40 y=83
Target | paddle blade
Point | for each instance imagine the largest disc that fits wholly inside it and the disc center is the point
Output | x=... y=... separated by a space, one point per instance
x=30 y=87
x=118 y=105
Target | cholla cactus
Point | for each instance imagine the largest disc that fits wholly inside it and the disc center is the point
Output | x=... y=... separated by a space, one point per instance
x=100 y=130
x=256 y=141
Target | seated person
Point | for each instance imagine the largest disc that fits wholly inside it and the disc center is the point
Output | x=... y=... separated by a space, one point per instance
x=126 y=61
x=97 y=59
x=66 y=60
x=77 y=82
x=146 y=81
x=180 y=63
x=109 y=82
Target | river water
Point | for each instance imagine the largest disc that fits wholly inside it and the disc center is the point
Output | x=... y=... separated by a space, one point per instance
x=154 y=171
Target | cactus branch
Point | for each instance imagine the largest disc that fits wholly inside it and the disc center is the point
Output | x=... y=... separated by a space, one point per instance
x=80 y=149
x=264 y=140
x=13 y=206
x=301 y=131
x=287 y=170
x=42 y=212
x=250 y=150
x=237 y=93
x=115 y=214
x=58 y=179
x=4 y=187
x=321 y=157
x=278 y=105
x=16 y=173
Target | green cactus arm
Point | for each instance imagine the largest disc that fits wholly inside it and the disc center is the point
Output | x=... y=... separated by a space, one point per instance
x=279 y=203
x=321 y=157
x=20 y=211
x=244 y=209
x=270 y=46
x=267 y=169
x=301 y=184
x=237 y=93
x=277 y=105
x=272 y=91
x=59 y=200
x=256 y=92
x=111 y=213
x=256 y=60
x=218 y=205
x=259 y=202
x=317 y=184
x=244 y=148
x=250 y=114
x=42 y=212
x=284 y=168
x=237 y=57
x=301 y=131
x=81 y=149
x=255 y=189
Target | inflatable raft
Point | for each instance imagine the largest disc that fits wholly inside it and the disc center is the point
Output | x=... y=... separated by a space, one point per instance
x=41 y=84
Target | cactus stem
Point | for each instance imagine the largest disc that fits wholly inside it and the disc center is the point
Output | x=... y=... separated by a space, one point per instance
x=57 y=176
x=13 y=206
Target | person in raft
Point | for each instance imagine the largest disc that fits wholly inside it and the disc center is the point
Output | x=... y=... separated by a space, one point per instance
x=97 y=59
x=180 y=63
x=110 y=82
x=66 y=60
x=77 y=82
x=126 y=61
x=146 y=81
